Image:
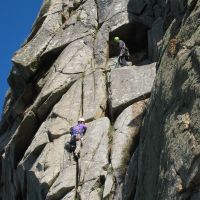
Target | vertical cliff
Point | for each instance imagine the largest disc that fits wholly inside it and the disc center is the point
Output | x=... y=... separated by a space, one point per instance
x=134 y=148
x=166 y=163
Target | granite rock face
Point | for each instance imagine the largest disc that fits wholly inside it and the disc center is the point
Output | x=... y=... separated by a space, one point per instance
x=128 y=84
x=134 y=147
x=167 y=164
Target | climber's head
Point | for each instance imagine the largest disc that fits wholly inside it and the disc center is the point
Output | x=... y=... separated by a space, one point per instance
x=116 y=39
x=81 y=120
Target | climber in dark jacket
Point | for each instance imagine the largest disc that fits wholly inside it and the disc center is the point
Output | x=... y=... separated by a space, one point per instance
x=123 y=51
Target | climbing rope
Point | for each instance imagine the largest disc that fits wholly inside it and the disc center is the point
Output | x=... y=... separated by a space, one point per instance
x=76 y=158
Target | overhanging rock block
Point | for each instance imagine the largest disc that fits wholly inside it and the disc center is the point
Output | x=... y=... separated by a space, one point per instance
x=129 y=84
x=136 y=7
x=27 y=57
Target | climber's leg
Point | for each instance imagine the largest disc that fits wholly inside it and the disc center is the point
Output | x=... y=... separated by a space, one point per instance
x=122 y=60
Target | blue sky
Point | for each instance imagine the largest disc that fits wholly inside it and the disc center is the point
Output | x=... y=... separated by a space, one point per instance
x=16 y=20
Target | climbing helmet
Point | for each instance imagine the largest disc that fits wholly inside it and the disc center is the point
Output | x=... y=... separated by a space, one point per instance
x=116 y=39
x=81 y=119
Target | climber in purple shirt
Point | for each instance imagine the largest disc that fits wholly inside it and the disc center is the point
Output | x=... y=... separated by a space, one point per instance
x=77 y=132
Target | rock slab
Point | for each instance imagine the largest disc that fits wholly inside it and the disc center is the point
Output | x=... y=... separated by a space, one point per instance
x=128 y=84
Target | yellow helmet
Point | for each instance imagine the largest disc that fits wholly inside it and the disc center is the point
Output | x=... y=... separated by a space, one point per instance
x=116 y=39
